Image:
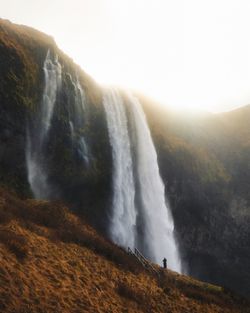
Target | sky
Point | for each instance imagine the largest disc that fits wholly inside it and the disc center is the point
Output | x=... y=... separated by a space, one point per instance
x=187 y=54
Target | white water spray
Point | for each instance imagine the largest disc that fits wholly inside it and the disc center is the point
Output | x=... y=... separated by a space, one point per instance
x=53 y=79
x=148 y=224
x=77 y=121
x=37 y=174
x=123 y=219
x=159 y=226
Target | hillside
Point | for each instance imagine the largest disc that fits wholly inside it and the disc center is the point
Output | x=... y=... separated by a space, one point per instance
x=51 y=261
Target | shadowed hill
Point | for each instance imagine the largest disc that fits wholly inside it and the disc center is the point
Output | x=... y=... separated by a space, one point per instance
x=51 y=261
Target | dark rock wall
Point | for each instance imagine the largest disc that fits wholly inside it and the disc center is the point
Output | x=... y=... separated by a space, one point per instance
x=86 y=189
x=204 y=162
x=20 y=65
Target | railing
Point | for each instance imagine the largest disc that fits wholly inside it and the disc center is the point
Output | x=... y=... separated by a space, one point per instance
x=130 y=251
x=145 y=262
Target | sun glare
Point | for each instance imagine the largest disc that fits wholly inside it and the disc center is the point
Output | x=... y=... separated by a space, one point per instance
x=186 y=54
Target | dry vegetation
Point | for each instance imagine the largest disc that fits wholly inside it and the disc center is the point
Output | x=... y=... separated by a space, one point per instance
x=50 y=261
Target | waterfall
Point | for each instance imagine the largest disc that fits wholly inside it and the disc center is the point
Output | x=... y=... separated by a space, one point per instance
x=123 y=219
x=77 y=120
x=140 y=216
x=53 y=76
x=37 y=134
x=158 y=223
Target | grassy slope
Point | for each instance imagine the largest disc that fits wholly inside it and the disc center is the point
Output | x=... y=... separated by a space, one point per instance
x=50 y=261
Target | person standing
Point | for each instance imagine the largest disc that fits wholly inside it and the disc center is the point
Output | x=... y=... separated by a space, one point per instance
x=164 y=263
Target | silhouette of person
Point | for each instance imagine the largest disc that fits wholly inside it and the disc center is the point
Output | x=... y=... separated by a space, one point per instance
x=164 y=263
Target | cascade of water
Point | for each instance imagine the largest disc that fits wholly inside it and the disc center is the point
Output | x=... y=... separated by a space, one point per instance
x=123 y=219
x=140 y=216
x=77 y=121
x=53 y=79
x=37 y=175
x=158 y=239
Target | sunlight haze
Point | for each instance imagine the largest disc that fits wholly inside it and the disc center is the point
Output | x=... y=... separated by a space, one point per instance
x=186 y=54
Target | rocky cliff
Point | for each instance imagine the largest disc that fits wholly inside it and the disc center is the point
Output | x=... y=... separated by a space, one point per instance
x=23 y=51
x=204 y=160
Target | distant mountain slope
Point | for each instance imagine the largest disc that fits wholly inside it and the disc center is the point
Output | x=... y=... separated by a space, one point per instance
x=51 y=261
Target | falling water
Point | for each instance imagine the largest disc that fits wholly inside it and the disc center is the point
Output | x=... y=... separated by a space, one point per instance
x=140 y=216
x=158 y=229
x=36 y=135
x=123 y=219
x=78 y=120
x=53 y=78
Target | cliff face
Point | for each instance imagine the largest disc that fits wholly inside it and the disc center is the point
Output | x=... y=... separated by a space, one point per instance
x=204 y=161
x=23 y=52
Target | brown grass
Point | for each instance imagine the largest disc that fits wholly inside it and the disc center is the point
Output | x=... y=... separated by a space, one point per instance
x=16 y=243
x=51 y=261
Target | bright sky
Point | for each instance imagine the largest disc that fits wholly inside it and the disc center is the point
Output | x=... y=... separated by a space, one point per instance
x=186 y=54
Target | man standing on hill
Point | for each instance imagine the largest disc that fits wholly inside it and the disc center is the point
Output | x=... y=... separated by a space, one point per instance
x=164 y=263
